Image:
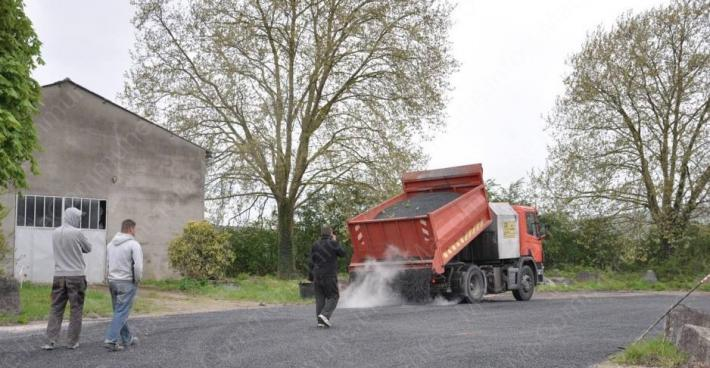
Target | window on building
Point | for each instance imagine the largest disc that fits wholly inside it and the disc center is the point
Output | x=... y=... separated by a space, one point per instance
x=30 y=211
x=94 y=218
x=46 y=211
x=85 y=213
x=20 y=210
x=102 y=215
x=58 y=211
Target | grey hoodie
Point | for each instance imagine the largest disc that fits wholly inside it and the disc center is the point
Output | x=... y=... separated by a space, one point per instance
x=125 y=258
x=69 y=244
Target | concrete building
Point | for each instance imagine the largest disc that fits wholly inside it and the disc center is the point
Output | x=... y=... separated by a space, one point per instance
x=112 y=164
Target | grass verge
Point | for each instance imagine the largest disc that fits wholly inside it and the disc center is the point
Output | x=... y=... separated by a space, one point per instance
x=263 y=289
x=654 y=352
x=35 y=302
x=618 y=281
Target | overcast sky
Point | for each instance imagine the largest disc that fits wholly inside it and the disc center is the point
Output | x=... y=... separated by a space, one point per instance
x=512 y=56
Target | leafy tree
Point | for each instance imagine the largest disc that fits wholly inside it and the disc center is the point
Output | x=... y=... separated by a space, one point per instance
x=201 y=251
x=517 y=192
x=293 y=97
x=19 y=94
x=19 y=98
x=631 y=129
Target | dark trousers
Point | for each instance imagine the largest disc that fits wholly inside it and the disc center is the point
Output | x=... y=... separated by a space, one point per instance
x=327 y=294
x=72 y=289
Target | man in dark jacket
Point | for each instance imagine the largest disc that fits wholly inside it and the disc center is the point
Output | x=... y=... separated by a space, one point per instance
x=324 y=274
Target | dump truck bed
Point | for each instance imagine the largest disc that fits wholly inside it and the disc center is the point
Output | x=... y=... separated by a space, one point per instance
x=437 y=215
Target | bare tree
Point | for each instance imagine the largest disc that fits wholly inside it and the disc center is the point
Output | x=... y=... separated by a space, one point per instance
x=293 y=96
x=631 y=130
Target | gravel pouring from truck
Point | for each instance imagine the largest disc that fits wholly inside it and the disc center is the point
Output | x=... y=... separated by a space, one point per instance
x=449 y=239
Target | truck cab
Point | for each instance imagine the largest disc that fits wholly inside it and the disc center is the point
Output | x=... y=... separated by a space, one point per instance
x=531 y=236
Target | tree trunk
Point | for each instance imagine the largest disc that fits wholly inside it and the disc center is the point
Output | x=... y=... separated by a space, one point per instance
x=666 y=249
x=286 y=266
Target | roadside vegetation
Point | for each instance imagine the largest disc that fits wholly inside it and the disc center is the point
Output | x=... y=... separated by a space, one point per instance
x=616 y=281
x=655 y=353
x=35 y=301
x=261 y=289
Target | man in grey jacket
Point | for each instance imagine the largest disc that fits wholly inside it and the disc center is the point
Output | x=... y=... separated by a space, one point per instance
x=69 y=283
x=125 y=271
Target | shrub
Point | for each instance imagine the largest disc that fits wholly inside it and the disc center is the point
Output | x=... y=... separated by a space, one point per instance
x=256 y=250
x=201 y=252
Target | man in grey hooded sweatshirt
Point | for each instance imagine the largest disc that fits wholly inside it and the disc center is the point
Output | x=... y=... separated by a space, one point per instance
x=69 y=283
x=125 y=271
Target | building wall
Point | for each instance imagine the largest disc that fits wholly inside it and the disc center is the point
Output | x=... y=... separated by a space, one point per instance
x=92 y=148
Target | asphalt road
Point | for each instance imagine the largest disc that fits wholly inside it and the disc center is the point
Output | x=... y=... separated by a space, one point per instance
x=544 y=332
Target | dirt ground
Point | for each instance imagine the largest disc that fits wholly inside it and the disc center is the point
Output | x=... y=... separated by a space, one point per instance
x=166 y=302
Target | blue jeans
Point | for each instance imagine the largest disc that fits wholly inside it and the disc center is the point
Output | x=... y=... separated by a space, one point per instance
x=122 y=294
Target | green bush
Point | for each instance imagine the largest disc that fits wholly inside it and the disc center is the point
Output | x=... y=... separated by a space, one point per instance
x=201 y=252
x=255 y=248
x=591 y=242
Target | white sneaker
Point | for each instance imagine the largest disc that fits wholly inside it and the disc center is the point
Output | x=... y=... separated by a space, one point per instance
x=325 y=320
x=48 y=346
x=73 y=347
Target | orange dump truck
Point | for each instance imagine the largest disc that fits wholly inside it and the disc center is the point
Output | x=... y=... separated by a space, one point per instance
x=449 y=239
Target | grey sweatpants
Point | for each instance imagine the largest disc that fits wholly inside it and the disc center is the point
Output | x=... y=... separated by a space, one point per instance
x=72 y=289
x=327 y=295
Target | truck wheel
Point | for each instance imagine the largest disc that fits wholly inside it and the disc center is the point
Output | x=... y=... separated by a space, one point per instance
x=473 y=285
x=526 y=285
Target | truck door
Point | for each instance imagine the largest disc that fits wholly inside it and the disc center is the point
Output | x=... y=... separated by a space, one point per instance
x=530 y=235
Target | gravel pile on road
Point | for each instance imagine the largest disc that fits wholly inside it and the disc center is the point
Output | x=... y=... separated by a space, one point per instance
x=418 y=205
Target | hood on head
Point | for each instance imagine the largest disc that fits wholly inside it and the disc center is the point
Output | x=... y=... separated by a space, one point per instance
x=121 y=238
x=72 y=217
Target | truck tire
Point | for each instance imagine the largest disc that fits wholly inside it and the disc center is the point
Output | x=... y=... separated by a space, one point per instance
x=473 y=285
x=526 y=284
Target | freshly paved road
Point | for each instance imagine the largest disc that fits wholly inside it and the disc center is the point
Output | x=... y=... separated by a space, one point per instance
x=549 y=331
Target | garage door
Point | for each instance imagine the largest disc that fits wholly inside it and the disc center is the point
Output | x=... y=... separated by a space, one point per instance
x=37 y=217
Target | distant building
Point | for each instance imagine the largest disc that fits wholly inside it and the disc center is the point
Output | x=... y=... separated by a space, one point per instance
x=112 y=164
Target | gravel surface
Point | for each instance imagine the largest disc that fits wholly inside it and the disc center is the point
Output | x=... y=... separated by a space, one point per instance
x=418 y=205
x=576 y=331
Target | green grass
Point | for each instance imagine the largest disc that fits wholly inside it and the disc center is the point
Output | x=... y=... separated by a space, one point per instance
x=35 y=301
x=655 y=352
x=264 y=289
x=619 y=281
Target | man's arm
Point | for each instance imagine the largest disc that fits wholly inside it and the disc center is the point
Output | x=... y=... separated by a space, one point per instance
x=137 y=253
x=84 y=242
x=339 y=251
